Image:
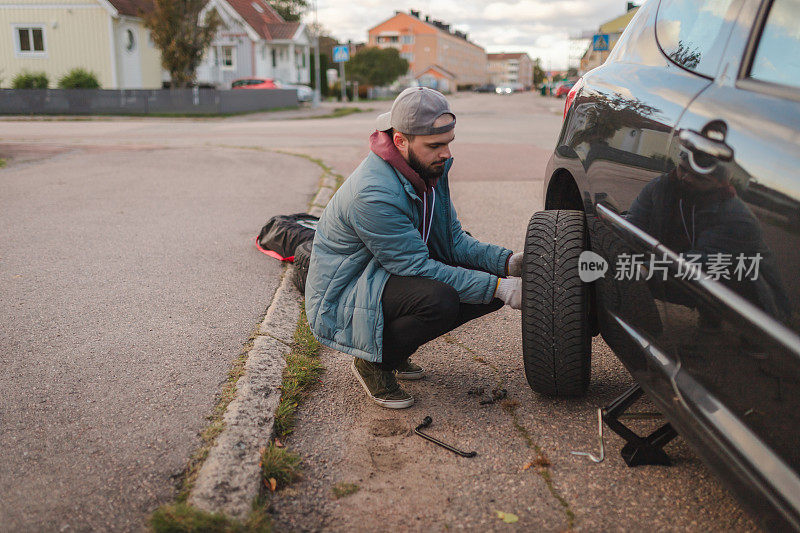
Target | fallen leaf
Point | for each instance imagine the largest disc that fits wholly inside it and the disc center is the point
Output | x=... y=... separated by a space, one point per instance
x=527 y=466
x=273 y=484
x=278 y=443
x=508 y=518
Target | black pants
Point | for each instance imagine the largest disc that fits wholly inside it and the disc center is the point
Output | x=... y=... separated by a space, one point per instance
x=417 y=310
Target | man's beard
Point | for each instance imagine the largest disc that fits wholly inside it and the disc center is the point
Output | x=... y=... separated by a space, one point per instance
x=428 y=173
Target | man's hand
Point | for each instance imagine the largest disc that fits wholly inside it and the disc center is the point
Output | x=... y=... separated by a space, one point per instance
x=510 y=291
x=515 y=265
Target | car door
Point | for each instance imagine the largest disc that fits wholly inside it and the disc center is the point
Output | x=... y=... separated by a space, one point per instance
x=736 y=185
x=627 y=113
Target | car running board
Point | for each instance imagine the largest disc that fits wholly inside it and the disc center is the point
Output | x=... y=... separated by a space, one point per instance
x=638 y=450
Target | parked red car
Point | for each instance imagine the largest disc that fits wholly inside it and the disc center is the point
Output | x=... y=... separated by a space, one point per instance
x=563 y=89
x=254 y=83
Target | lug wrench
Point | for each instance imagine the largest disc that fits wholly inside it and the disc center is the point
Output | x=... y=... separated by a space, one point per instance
x=600 y=439
x=426 y=422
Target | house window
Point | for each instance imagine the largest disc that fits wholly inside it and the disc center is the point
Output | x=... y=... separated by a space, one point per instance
x=274 y=58
x=228 y=58
x=29 y=40
x=408 y=56
x=408 y=39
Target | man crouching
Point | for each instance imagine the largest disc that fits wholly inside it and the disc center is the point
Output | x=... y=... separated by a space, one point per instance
x=391 y=267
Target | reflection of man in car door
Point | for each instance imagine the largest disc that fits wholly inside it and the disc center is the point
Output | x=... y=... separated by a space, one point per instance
x=694 y=211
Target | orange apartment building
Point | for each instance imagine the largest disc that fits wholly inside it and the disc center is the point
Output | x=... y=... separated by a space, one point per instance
x=438 y=57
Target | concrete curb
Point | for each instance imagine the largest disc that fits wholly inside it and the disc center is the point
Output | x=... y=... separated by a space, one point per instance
x=230 y=477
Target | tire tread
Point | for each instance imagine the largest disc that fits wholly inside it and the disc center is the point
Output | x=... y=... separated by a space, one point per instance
x=556 y=343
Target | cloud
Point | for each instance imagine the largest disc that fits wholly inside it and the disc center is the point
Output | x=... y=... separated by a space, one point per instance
x=539 y=27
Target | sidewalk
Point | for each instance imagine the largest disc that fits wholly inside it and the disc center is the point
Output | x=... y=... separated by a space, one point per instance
x=523 y=466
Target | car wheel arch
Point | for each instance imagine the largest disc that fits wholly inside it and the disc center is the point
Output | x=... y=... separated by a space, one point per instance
x=563 y=192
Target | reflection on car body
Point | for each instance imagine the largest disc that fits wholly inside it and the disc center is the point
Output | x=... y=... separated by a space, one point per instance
x=683 y=149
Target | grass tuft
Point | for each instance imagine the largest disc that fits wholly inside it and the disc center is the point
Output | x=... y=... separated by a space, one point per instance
x=183 y=518
x=340 y=490
x=302 y=370
x=279 y=464
x=338 y=112
x=215 y=420
x=320 y=163
x=541 y=461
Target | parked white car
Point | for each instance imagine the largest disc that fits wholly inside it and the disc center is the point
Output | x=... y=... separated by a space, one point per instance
x=304 y=92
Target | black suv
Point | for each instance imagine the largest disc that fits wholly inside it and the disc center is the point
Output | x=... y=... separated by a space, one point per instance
x=672 y=228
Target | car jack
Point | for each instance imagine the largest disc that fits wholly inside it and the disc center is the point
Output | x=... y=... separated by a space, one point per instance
x=638 y=450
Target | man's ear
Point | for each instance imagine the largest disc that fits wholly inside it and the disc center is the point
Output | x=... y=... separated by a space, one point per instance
x=400 y=142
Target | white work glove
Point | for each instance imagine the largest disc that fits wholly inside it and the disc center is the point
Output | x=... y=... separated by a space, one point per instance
x=515 y=265
x=510 y=291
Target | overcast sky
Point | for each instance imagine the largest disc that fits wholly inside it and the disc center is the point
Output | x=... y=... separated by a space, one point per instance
x=540 y=27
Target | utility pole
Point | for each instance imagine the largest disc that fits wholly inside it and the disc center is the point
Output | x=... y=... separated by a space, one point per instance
x=342 y=81
x=317 y=77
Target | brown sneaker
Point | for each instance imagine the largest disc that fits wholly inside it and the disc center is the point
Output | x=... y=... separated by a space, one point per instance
x=409 y=371
x=381 y=385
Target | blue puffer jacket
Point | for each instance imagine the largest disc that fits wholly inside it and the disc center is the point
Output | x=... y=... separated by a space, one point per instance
x=369 y=230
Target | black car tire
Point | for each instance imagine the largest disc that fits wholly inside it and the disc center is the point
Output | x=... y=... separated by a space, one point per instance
x=556 y=339
x=302 y=258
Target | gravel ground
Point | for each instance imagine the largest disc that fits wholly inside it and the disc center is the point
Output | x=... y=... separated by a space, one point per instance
x=409 y=484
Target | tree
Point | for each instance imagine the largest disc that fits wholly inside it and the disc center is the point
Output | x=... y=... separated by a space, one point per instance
x=174 y=27
x=324 y=65
x=290 y=10
x=376 y=66
x=538 y=73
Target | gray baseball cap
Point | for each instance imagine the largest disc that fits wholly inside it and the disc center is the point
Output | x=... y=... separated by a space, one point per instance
x=415 y=110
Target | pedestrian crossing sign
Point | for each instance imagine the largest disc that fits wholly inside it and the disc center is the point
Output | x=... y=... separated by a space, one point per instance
x=341 y=54
x=600 y=42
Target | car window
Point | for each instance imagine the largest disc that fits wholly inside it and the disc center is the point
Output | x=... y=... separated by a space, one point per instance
x=692 y=32
x=240 y=83
x=777 y=58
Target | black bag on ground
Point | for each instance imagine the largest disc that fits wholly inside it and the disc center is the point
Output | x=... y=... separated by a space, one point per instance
x=302 y=257
x=282 y=234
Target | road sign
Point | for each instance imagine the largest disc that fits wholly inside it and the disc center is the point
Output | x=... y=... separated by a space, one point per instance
x=341 y=54
x=600 y=42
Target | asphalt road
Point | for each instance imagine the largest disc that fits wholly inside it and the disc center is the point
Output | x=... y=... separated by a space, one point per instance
x=134 y=283
x=130 y=282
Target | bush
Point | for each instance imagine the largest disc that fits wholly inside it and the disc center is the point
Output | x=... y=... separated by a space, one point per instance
x=78 y=78
x=30 y=80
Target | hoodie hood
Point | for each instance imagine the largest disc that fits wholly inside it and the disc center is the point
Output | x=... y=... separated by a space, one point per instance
x=381 y=144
